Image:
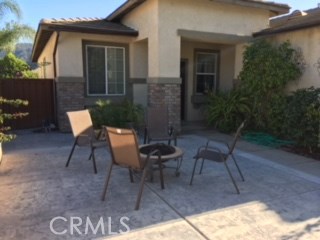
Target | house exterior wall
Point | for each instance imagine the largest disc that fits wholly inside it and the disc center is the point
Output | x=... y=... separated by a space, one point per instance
x=159 y=22
x=70 y=80
x=139 y=60
x=47 y=71
x=308 y=40
x=154 y=56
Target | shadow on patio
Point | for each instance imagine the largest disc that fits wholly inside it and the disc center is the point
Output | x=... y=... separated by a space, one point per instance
x=36 y=187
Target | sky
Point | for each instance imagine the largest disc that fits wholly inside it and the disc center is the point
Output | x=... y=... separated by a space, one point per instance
x=35 y=10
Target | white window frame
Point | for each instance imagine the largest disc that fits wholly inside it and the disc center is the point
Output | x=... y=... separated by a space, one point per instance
x=215 y=74
x=106 y=70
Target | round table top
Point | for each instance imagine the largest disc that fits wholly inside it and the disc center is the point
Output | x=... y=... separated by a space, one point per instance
x=177 y=153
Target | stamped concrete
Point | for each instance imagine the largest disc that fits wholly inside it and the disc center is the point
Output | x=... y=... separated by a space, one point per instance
x=279 y=198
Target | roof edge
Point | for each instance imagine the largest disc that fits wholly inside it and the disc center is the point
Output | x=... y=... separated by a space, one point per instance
x=125 y=8
x=269 y=31
x=45 y=30
x=129 y=5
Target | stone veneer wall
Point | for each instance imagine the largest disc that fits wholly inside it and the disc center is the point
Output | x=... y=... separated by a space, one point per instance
x=168 y=94
x=70 y=97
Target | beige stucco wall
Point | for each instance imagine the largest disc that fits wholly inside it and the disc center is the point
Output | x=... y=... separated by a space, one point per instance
x=159 y=21
x=308 y=40
x=139 y=59
x=70 y=59
x=47 y=55
x=157 y=51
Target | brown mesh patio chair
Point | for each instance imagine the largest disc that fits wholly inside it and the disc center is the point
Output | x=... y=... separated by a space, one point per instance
x=125 y=153
x=215 y=154
x=157 y=126
x=84 y=134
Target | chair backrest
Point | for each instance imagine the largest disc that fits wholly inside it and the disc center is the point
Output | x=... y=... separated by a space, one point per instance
x=124 y=147
x=236 y=137
x=81 y=123
x=157 y=121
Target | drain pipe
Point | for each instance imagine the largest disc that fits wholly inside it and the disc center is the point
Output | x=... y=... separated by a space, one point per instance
x=55 y=110
x=54 y=55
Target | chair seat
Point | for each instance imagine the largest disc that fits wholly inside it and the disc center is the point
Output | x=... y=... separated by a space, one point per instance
x=85 y=142
x=211 y=155
x=98 y=144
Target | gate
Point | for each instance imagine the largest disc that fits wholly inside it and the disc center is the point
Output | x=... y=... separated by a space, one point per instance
x=39 y=93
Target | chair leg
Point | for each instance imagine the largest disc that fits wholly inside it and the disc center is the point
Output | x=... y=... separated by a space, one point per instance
x=194 y=168
x=235 y=162
x=94 y=161
x=233 y=181
x=141 y=188
x=145 y=136
x=90 y=157
x=201 y=166
x=106 y=183
x=131 y=176
x=70 y=155
x=161 y=174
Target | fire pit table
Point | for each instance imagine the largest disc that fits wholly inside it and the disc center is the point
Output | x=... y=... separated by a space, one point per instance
x=167 y=152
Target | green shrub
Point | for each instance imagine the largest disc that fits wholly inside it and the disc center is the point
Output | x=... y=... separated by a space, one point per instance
x=123 y=115
x=267 y=69
x=227 y=110
x=9 y=116
x=302 y=118
x=276 y=115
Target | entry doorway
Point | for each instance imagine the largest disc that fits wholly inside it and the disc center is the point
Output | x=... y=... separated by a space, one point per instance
x=183 y=87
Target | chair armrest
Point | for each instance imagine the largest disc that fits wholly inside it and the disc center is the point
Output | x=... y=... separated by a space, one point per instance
x=214 y=148
x=156 y=151
x=101 y=135
x=200 y=149
x=223 y=142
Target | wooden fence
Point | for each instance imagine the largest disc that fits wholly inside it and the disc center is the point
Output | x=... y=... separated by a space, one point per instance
x=39 y=93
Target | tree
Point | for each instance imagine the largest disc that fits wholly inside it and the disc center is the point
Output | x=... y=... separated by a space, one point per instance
x=13 y=67
x=13 y=31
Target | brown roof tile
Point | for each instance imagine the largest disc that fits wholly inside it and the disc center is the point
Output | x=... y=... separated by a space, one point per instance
x=291 y=22
x=83 y=25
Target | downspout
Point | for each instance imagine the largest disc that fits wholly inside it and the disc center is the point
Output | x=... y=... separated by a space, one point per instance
x=55 y=110
x=54 y=55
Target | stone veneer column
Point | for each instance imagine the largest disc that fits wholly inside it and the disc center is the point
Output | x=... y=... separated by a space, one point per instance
x=166 y=91
x=70 y=97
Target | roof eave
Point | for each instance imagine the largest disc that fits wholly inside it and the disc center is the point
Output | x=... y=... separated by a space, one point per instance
x=125 y=8
x=45 y=31
x=268 y=32
x=274 y=8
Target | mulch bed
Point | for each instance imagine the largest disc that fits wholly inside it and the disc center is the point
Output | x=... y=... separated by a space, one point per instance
x=302 y=151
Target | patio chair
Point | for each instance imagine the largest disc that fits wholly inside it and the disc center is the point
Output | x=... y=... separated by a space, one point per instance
x=215 y=154
x=84 y=134
x=125 y=153
x=157 y=126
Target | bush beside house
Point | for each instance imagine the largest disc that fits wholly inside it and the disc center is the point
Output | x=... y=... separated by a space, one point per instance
x=262 y=100
x=124 y=114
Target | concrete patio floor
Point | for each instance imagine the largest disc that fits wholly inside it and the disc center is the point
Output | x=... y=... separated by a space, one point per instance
x=280 y=198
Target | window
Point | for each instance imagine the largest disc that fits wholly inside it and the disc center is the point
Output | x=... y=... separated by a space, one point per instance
x=105 y=70
x=206 y=72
